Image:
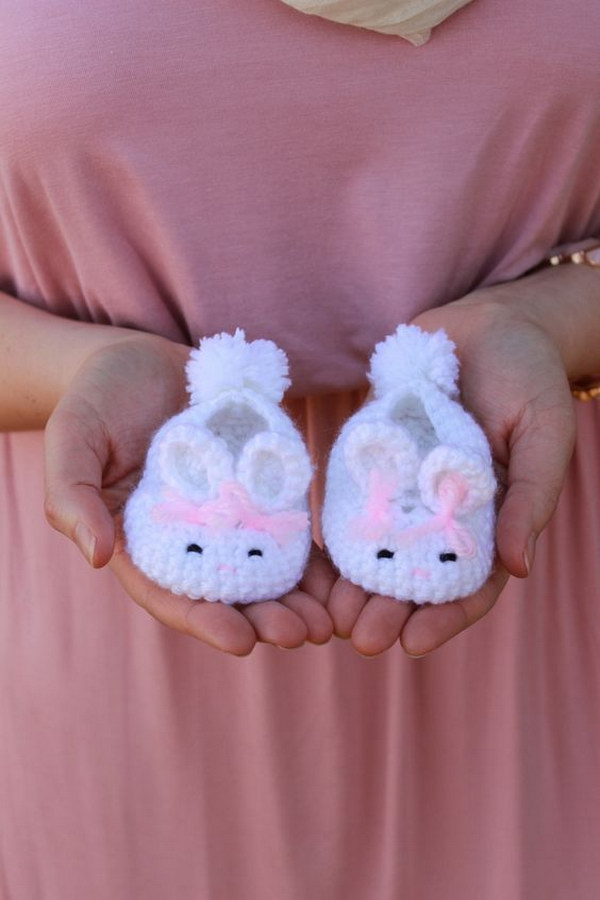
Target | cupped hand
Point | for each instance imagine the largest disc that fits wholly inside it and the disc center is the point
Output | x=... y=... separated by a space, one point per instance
x=514 y=382
x=96 y=443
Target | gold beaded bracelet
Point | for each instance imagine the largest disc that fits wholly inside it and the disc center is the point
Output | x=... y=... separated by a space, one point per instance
x=590 y=393
x=587 y=254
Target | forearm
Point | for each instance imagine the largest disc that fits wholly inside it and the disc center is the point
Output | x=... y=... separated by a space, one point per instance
x=39 y=354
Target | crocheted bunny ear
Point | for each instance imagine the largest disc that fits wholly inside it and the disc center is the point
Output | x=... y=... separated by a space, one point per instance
x=227 y=362
x=193 y=461
x=411 y=355
x=450 y=475
x=275 y=470
x=387 y=448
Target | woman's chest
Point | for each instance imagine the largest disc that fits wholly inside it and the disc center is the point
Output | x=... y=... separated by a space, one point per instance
x=242 y=75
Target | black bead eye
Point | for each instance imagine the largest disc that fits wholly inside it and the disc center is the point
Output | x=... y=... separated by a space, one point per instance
x=255 y=552
x=447 y=557
x=385 y=554
x=194 y=548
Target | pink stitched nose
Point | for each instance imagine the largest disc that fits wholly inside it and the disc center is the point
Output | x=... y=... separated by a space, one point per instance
x=422 y=573
x=225 y=568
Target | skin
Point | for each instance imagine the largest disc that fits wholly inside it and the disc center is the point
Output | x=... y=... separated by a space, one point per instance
x=519 y=345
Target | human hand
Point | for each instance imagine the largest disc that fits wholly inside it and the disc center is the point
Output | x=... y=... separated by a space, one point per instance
x=96 y=443
x=514 y=380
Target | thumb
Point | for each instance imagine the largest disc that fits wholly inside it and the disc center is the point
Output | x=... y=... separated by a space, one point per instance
x=76 y=450
x=541 y=447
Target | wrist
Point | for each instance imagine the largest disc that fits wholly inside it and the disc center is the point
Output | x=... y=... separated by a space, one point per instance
x=79 y=342
x=112 y=345
x=42 y=352
x=564 y=304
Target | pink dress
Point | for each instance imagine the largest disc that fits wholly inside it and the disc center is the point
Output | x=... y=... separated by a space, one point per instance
x=190 y=166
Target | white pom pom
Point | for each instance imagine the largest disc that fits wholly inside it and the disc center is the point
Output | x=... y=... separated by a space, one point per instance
x=411 y=354
x=228 y=362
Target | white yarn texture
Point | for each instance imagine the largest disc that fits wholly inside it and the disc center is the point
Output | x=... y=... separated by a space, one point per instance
x=221 y=511
x=409 y=496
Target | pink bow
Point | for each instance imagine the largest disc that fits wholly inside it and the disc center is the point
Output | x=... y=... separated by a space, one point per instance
x=377 y=518
x=233 y=508
x=452 y=490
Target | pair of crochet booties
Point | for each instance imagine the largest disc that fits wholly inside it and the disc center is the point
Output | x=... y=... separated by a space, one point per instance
x=222 y=513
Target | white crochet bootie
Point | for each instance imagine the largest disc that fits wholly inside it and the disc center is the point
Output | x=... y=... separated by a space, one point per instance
x=409 y=500
x=221 y=511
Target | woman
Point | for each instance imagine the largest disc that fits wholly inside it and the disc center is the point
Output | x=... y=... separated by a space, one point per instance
x=169 y=172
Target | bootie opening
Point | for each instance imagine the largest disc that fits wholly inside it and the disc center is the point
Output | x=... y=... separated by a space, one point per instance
x=235 y=423
x=409 y=412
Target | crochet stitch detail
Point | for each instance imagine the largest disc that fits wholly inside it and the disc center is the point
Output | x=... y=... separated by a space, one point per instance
x=409 y=495
x=221 y=511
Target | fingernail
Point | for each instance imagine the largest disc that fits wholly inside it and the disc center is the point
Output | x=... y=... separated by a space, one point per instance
x=86 y=541
x=529 y=553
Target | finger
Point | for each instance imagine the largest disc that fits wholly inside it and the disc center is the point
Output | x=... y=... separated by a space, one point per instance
x=276 y=624
x=319 y=577
x=75 y=453
x=221 y=626
x=313 y=614
x=346 y=600
x=541 y=448
x=431 y=626
x=379 y=624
